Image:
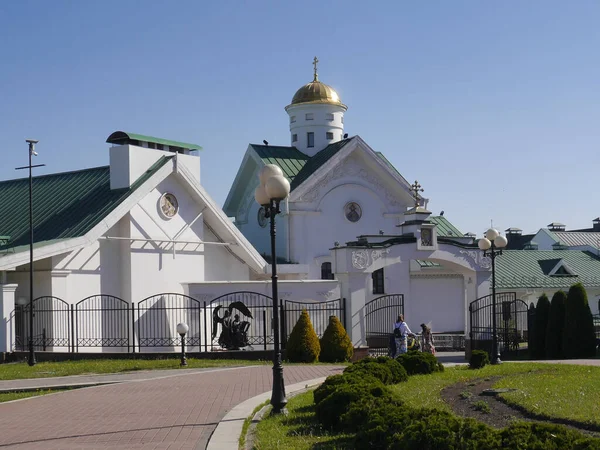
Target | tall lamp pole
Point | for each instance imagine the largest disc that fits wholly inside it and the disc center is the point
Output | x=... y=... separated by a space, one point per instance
x=31 y=358
x=274 y=188
x=492 y=245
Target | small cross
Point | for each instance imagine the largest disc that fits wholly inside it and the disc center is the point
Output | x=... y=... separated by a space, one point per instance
x=315 y=61
x=416 y=188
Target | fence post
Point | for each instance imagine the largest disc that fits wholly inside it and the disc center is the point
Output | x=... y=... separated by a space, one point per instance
x=205 y=330
x=283 y=328
x=131 y=333
x=43 y=339
x=72 y=346
x=264 y=328
x=344 y=314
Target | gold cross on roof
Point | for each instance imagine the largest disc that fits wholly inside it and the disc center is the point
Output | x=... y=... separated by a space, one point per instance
x=416 y=188
x=315 y=62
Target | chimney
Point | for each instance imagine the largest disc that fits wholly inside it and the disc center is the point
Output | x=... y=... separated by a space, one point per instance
x=596 y=224
x=513 y=231
x=556 y=226
x=531 y=246
x=559 y=246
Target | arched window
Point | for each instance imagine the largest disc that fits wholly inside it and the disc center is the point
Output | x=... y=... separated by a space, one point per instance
x=326 y=273
x=378 y=285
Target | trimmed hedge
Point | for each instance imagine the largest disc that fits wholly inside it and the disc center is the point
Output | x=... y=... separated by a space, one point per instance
x=479 y=359
x=385 y=369
x=421 y=363
x=556 y=326
x=335 y=343
x=579 y=339
x=303 y=343
x=542 y=310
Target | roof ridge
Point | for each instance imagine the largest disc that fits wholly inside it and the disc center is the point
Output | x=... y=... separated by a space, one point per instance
x=46 y=175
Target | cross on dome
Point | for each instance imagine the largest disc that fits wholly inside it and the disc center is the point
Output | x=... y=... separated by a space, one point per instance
x=416 y=188
x=315 y=62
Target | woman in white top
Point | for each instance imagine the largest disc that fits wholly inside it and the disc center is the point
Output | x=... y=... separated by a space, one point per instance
x=401 y=332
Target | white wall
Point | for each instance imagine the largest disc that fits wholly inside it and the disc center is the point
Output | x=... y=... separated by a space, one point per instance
x=439 y=300
x=319 y=125
x=220 y=264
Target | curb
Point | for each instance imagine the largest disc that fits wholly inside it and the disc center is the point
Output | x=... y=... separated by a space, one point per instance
x=228 y=431
x=56 y=386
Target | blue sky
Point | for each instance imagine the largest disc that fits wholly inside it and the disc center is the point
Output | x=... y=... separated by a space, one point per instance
x=492 y=106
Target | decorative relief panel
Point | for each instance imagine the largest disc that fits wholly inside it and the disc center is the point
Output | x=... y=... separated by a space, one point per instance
x=352 y=169
x=325 y=294
x=477 y=256
x=361 y=259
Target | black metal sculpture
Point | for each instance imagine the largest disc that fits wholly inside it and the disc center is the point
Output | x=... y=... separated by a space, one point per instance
x=234 y=332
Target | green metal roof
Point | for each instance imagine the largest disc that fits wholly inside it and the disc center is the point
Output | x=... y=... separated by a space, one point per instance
x=389 y=164
x=290 y=159
x=444 y=227
x=528 y=269
x=65 y=205
x=427 y=263
x=120 y=137
x=317 y=161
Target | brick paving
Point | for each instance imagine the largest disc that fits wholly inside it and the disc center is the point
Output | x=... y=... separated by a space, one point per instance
x=177 y=412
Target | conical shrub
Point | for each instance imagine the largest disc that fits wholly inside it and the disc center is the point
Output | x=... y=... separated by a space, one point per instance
x=542 y=310
x=303 y=343
x=335 y=343
x=579 y=339
x=556 y=326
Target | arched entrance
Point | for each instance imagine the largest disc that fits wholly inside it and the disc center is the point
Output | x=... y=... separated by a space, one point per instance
x=380 y=315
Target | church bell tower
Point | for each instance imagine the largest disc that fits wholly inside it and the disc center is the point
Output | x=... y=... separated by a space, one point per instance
x=316 y=116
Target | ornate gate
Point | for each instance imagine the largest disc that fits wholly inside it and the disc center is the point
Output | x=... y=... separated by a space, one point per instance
x=380 y=315
x=511 y=324
x=51 y=324
x=101 y=321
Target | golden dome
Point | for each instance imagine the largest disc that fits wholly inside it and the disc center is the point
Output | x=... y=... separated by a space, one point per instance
x=316 y=92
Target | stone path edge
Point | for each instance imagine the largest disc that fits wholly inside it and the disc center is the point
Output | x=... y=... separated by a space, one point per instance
x=228 y=431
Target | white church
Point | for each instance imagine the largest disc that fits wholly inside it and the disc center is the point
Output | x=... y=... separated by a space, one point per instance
x=124 y=252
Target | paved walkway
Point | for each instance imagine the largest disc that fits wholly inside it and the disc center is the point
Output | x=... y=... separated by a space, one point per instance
x=157 y=410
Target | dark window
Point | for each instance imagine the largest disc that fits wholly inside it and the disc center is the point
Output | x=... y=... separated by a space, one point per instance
x=326 y=271
x=151 y=145
x=309 y=116
x=294 y=137
x=160 y=147
x=377 y=277
x=310 y=139
x=329 y=135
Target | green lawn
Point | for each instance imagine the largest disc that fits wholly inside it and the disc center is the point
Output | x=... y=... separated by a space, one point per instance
x=14 y=371
x=552 y=390
x=299 y=430
x=19 y=395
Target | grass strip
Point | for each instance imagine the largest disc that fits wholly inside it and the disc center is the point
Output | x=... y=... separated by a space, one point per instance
x=16 y=371
x=299 y=430
x=248 y=421
x=10 y=396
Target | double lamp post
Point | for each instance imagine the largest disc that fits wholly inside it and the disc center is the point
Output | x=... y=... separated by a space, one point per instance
x=492 y=245
x=274 y=188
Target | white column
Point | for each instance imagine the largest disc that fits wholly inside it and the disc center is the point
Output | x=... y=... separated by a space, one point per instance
x=7 y=326
x=353 y=289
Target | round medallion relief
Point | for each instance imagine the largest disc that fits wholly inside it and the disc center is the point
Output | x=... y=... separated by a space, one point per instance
x=262 y=220
x=353 y=211
x=168 y=205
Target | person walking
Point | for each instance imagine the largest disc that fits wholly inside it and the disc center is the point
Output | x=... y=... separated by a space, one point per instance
x=427 y=339
x=401 y=332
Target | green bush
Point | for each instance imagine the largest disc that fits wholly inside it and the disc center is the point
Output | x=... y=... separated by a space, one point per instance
x=399 y=373
x=579 y=338
x=370 y=366
x=334 y=381
x=330 y=409
x=303 y=343
x=542 y=311
x=419 y=363
x=335 y=343
x=479 y=358
x=556 y=325
x=531 y=329
x=542 y=436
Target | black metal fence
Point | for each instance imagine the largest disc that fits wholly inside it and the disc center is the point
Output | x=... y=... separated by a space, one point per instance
x=380 y=315
x=105 y=321
x=512 y=324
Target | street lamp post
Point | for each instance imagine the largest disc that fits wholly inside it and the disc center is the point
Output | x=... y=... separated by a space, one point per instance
x=31 y=358
x=182 y=329
x=274 y=188
x=492 y=245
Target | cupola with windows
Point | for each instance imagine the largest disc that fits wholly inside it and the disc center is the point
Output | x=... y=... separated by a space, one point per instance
x=316 y=116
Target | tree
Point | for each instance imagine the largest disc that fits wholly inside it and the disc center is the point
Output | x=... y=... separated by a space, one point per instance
x=303 y=343
x=335 y=343
x=556 y=326
x=542 y=311
x=579 y=338
x=531 y=329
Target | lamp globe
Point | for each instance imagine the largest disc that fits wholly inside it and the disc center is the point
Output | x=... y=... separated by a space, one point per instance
x=268 y=171
x=277 y=187
x=484 y=244
x=182 y=328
